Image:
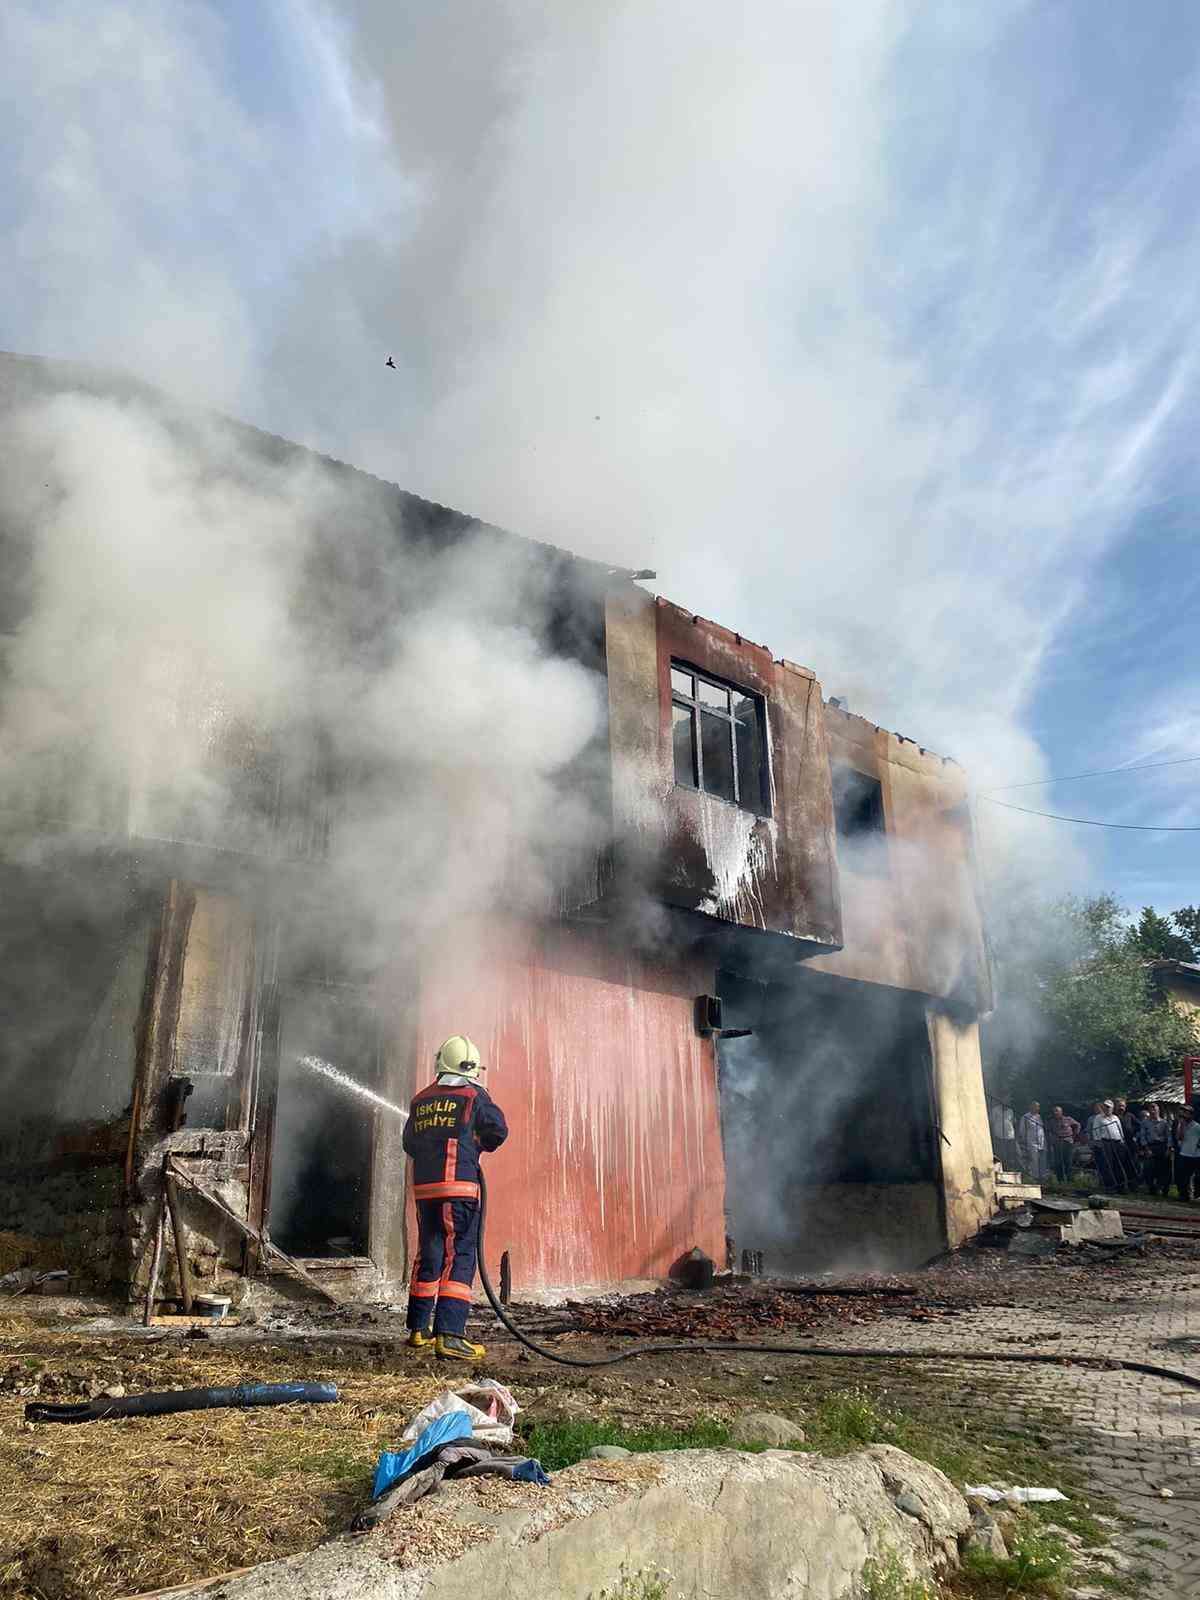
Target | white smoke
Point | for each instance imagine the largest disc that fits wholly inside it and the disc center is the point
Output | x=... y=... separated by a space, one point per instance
x=787 y=304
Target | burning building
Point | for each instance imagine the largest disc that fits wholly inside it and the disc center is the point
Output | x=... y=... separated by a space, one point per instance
x=376 y=773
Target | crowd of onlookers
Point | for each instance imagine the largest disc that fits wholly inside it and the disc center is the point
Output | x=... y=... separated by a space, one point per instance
x=1129 y=1146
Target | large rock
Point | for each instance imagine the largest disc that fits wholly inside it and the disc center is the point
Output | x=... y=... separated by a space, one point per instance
x=764 y=1427
x=774 y=1526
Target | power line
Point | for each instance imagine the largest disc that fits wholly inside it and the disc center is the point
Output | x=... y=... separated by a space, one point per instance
x=1089 y=822
x=1101 y=772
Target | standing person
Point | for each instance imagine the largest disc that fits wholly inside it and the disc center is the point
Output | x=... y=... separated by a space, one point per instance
x=1108 y=1141
x=1064 y=1130
x=1004 y=1135
x=1131 y=1130
x=449 y=1123
x=1031 y=1137
x=1187 y=1159
x=1155 y=1139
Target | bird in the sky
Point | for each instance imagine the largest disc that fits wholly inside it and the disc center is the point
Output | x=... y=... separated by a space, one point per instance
x=390 y=363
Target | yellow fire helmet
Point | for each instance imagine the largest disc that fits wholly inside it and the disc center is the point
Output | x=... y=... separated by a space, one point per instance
x=459 y=1055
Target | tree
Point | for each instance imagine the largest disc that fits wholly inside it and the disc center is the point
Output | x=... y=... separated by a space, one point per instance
x=1154 y=937
x=1187 y=920
x=1077 y=1017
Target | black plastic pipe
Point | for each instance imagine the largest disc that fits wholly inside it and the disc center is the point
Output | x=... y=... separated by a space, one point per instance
x=161 y=1404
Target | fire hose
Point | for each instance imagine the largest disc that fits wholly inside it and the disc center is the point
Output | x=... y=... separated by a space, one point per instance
x=736 y=1347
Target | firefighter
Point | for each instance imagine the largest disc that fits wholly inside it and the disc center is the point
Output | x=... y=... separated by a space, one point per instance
x=449 y=1123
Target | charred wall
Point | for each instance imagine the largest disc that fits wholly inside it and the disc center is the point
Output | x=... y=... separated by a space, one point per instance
x=910 y=907
x=772 y=873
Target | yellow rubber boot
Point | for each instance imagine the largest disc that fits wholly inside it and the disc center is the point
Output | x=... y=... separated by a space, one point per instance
x=451 y=1348
x=420 y=1338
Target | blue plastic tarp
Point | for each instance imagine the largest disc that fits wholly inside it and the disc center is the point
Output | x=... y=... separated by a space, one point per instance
x=392 y=1467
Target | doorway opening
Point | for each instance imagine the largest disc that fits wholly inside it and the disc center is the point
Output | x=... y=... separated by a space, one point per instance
x=323 y=1142
x=827 y=1117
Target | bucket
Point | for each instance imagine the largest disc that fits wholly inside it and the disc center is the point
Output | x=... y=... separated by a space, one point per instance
x=213 y=1306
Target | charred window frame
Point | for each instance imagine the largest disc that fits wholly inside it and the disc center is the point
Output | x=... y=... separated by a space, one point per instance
x=859 y=816
x=719 y=739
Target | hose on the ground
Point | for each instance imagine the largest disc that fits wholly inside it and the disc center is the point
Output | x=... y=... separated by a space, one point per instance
x=735 y=1347
x=167 y=1401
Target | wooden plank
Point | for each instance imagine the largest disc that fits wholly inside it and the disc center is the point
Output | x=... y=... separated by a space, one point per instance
x=185 y=1275
x=269 y=1249
x=155 y=1265
x=197 y=1586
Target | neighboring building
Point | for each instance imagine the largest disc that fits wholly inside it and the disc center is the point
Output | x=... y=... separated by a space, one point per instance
x=1179 y=981
x=768 y=855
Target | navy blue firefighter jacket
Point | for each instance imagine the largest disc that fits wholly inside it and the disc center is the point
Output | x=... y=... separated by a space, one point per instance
x=448 y=1125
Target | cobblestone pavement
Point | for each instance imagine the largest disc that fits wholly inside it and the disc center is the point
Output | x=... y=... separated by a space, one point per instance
x=1140 y=1433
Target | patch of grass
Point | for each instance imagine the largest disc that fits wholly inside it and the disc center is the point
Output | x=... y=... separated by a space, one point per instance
x=848 y=1419
x=1040 y=1564
x=560 y=1444
x=884 y=1578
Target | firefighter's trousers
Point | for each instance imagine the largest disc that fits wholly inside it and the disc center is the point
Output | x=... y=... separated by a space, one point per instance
x=447 y=1249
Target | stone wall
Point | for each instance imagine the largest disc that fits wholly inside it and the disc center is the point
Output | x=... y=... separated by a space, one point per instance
x=69 y=1187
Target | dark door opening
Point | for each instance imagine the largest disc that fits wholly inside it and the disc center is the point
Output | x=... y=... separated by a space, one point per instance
x=324 y=1137
x=826 y=1112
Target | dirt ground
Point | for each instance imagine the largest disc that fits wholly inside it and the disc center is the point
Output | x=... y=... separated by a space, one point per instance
x=124 y=1507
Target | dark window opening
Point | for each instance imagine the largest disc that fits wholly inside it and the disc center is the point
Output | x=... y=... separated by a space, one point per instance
x=858 y=812
x=719 y=739
x=323 y=1146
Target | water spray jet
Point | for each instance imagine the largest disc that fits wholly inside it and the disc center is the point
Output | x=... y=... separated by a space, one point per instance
x=352 y=1085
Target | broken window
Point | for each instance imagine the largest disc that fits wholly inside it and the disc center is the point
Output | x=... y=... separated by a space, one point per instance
x=719 y=739
x=858 y=814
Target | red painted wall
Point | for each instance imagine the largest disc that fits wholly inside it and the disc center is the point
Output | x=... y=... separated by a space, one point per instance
x=613 y=1166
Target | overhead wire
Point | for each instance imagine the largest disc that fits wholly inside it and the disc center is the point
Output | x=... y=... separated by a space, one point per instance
x=1100 y=772
x=1091 y=822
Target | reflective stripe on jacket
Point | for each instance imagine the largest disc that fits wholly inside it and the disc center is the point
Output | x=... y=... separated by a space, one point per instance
x=448 y=1125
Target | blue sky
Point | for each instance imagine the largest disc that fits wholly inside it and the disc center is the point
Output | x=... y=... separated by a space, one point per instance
x=872 y=328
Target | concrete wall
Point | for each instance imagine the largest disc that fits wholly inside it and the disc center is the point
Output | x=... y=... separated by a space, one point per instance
x=968 y=1173
x=614 y=1167
x=692 y=850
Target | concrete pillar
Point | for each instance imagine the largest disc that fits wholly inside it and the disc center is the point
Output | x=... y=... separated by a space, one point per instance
x=968 y=1176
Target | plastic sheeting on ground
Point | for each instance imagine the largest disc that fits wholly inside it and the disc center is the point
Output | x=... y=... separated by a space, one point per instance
x=393 y=1466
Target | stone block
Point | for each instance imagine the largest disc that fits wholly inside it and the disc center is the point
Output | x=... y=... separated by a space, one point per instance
x=1093 y=1225
x=764 y=1427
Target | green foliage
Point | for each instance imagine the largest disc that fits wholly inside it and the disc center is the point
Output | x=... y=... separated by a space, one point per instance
x=1078 y=1017
x=1040 y=1564
x=884 y=1578
x=560 y=1444
x=1155 y=938
x=850 y=1419
x=1187 y=922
